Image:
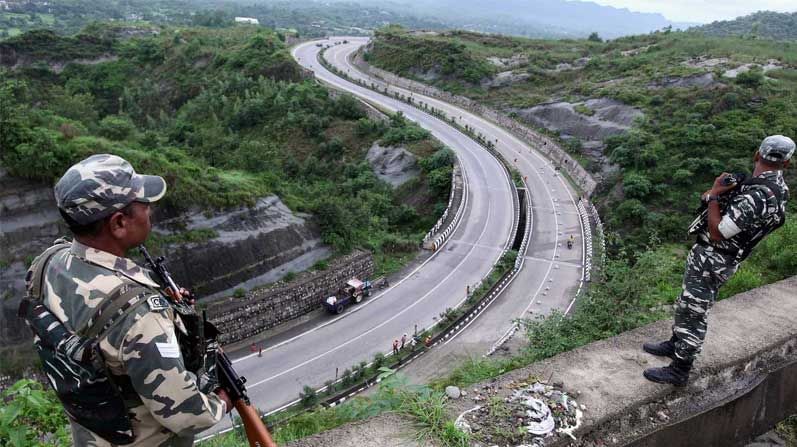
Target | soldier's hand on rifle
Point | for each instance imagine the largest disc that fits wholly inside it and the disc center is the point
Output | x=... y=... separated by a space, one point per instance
x=184 y=294
x=226 y=398
x=719 y=188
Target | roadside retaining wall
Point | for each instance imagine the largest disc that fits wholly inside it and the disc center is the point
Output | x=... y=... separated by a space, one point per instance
x=262 y=309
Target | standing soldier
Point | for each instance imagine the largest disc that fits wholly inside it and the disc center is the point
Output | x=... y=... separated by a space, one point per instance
x=102 y=325
x=724 y=240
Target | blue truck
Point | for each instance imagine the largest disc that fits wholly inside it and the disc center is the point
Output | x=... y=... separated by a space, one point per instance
x=353 y=292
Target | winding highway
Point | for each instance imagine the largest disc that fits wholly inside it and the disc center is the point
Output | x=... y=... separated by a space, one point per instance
x=548 y=280
x=552 y=274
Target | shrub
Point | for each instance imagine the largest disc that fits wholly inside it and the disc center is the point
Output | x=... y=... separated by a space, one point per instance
x=331 y=386
x=636 y=185
x=346 y=377
x=379 y=360
x=116 y=127
x=752 y=78
x=308 y=397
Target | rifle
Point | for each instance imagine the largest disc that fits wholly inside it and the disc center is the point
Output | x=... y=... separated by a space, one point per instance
x=229 y=380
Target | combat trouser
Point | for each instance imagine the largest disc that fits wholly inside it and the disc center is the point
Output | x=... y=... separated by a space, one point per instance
x=706 y=271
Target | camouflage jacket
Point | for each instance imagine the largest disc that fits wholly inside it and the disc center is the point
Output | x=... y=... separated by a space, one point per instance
x=750 y=215
x=167 y=406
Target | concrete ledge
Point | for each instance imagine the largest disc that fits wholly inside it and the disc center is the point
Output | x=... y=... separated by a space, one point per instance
x=751 y=336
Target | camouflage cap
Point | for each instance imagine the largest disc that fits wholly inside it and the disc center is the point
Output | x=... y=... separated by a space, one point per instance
x=776 y=148
x=100 y=185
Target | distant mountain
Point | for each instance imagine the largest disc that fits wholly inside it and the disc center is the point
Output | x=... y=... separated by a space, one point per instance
x=762 y=24
x=549 y=18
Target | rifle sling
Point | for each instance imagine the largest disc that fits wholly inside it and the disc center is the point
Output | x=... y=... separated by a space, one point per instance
x=122 y=300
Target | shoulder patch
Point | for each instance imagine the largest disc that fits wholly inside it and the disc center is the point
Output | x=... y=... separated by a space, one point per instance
x=157 y=303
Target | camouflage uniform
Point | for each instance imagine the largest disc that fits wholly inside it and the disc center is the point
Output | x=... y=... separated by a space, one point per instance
x=167 y=403
x=751 y=215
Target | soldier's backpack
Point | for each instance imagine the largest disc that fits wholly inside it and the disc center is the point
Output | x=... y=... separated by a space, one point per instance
x=72 y=361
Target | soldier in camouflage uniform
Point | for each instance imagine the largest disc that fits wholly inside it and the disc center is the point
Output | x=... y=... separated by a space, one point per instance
x=107 y=206
x=726 y=239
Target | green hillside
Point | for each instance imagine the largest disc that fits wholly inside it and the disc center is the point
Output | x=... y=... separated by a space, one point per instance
x=226 y=116
x=760 y=25
x=689 y=133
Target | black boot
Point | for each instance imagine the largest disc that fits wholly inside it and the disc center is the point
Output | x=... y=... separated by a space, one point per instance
x=676 y=374
x=663 y=349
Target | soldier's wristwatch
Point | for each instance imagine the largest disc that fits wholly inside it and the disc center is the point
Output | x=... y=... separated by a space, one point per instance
x=709 y=198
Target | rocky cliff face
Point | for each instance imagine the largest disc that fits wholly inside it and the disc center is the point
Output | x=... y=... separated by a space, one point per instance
x=395 y=165
x=607 y=117
x=259 y=244
x=261 y=241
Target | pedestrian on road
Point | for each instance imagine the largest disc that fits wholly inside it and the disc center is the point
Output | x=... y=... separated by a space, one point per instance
x=428 y=341
x=127 y=375
x=740 y=214
x=403 y=341
x=260 y=352
x=395 y=347
x=253 y=348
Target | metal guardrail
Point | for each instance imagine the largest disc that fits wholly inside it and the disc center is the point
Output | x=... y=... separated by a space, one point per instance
x=584 y=216
x=600 y=234
x=444 y=216
x=440 y=238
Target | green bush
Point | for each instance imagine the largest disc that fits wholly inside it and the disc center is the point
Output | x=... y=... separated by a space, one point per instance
x=116 y=128
x=752 y=78
x=32 y=416
x=636 y=185
x=308 y=397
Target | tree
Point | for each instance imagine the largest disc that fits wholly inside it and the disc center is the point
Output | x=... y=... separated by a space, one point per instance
x=116 y=127
x=636 y=186
x=594 y=37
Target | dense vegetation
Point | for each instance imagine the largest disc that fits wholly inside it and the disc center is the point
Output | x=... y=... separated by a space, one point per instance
x=760 y=25
x=309 y=18
x=226 y=117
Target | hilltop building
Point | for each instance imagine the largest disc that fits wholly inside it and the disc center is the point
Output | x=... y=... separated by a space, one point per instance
x=249 y=20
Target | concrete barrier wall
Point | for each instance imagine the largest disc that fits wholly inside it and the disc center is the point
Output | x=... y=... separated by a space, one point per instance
x=262 y=309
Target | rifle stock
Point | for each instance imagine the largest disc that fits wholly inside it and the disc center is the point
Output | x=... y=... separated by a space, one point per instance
x=256 y=431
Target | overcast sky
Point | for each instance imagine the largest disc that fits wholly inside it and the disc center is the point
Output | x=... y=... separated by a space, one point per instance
x=702 y=10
